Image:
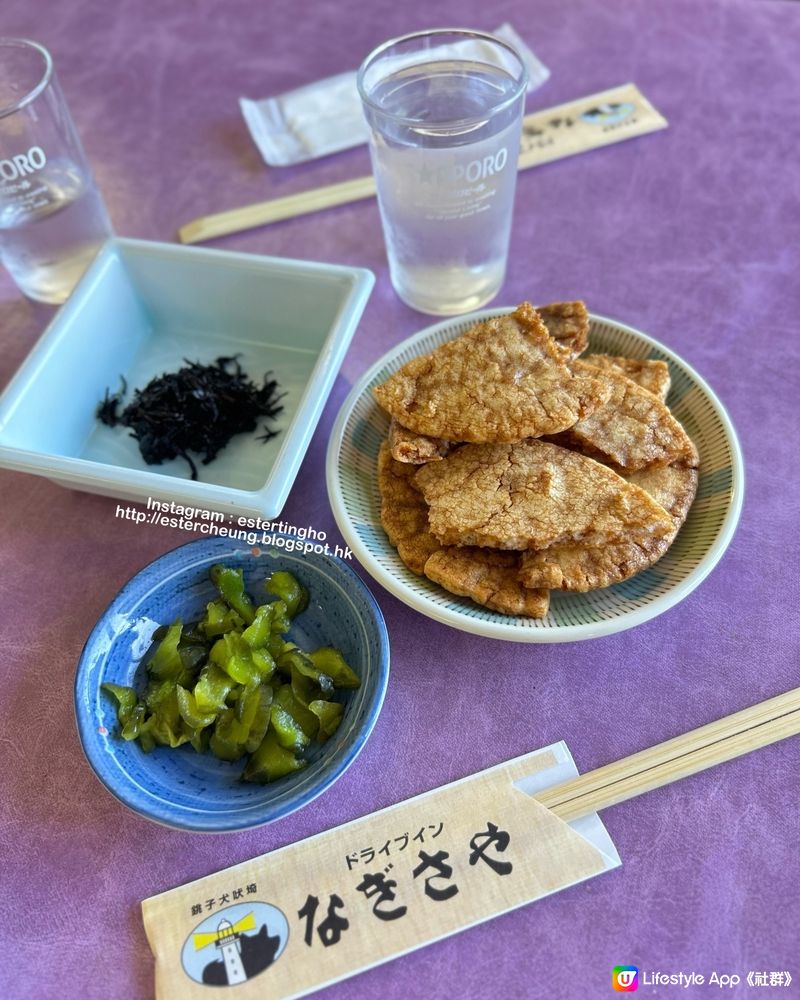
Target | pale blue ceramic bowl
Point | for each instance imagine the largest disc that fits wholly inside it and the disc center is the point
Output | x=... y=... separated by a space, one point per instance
x=190 y=791
x=139 y=311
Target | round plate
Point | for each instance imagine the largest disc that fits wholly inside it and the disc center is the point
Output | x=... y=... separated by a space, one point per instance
x=191 y=791
x=351 y=472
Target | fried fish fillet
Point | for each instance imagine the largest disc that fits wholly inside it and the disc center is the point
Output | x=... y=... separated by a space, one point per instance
x=415 y=449
x=488 y=576
x=501 y=381
x=632 y=430
x=578 y=567
x=651 y=375
x=533 y=494
x=568 y=324
x=404 y=513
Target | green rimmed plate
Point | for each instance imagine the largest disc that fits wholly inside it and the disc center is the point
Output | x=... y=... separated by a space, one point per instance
x=351 y=473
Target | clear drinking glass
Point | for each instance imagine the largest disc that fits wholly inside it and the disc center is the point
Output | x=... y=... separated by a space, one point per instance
x=445 y=114
x=52 y=217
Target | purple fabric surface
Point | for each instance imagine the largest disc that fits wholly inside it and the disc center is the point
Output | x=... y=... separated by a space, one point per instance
x=691 y=235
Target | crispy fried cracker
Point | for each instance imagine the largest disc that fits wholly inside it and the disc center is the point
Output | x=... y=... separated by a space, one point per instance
x=651 y=375
x=415 y=449
x=673 y=487
x=533 y=494
x=568 y=324
x=578 y=567
x=404 y=513
x=489 y=577
x=632 y=430
x=502 y=380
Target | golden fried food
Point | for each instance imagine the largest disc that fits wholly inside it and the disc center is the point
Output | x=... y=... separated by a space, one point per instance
x=650 y=375
x=404 y=513
x=673 y=487
x=488 y=576
x=415 y=449
x=578 y=567
x=477 y=501
x=533 y=494
x=632 y=430
x=501 y=381
x=568 y=325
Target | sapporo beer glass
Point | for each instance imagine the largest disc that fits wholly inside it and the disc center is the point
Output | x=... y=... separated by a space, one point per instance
x=445 y=114
x=52 y=217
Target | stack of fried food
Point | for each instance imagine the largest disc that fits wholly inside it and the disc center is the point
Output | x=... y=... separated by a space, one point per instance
x=513 y=466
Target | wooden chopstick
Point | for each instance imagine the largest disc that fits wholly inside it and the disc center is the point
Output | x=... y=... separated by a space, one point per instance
x=733 y=736
x=263 y=212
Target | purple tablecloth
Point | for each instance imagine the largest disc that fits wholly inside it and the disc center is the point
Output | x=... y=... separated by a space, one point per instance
x=690 y=234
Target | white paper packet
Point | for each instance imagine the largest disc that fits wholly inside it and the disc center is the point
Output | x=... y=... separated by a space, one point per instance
x=325 y=116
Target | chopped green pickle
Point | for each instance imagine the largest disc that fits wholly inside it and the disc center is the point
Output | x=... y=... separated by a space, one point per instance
x=299 y=667
x=271 y=761
x=287 y=731
x=331 y=662
x=126 y=699
x=166 y=661
x=290 y=590
x=191 y=715
x=212 y=689
x=286 y=698
x=230 y=584
x=257 y=634
x=329 y=714
x=261 y=718
x=219 y=619
x=232 y=684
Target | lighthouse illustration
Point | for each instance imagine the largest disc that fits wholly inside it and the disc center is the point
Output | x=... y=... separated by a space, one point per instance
x=228 y=943
x=237 y=954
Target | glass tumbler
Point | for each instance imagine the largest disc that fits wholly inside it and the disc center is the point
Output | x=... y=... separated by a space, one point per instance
x=445 y=114
x=52 y=217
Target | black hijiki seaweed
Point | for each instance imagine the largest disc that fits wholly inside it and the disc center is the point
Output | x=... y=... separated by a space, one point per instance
x=198 y=408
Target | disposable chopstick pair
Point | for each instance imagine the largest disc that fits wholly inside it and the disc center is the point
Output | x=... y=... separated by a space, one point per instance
x=588 y=123
x=730 y=737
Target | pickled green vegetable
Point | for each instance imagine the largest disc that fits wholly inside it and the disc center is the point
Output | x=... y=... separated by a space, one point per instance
x=257 y=634
x=166 y=661
x=271 y=761
x=126 y=699
x=288 y=700
x=219 y=619
x=190 y=713
x=261 y=718
x=331 y=662
x=290 y=590
x=329 y=714
x=230 y=584
x=287 y=731
x=232 y=683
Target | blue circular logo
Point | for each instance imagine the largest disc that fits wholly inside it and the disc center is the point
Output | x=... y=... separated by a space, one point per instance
x=235 y=944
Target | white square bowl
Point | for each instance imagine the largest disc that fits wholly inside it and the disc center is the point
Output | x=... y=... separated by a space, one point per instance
x=139 y=311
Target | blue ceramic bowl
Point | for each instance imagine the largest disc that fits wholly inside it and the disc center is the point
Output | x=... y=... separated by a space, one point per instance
x=190 y=791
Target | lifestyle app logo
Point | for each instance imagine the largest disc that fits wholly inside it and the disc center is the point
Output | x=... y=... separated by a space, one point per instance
x=625 y=978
